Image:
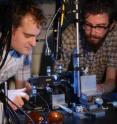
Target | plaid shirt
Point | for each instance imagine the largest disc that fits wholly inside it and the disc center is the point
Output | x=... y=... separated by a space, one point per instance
x=16 y=65
x=97 y=62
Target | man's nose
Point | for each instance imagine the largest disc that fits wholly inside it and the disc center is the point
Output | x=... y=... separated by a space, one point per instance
x=93 y=31
x=33 y=42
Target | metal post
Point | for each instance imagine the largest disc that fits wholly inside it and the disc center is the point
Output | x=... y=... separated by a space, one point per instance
x=77 y=86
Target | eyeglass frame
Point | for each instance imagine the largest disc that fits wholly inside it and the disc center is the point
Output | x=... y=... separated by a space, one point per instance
x=102 y=28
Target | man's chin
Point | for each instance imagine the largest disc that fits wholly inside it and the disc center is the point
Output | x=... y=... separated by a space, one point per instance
x=24 y=52
x=94 y=44
x=93 y=41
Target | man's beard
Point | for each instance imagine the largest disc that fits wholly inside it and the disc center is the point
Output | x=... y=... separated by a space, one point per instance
x=95 y=45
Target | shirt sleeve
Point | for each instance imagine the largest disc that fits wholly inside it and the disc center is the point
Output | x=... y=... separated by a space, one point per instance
x=112 y=48
x=24 y=73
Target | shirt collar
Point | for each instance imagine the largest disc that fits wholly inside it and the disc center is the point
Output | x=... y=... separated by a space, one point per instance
x=14 y=53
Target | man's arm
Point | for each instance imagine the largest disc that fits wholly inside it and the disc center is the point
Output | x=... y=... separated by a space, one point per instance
x=24 y=73
x=19 y=84
x=110 y=81
x=22 y=84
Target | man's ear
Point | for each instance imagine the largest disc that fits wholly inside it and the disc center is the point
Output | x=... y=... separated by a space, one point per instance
x=12 y=28
x=112 y=25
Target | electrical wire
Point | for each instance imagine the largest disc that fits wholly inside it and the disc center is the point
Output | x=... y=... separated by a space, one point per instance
x=44 y=101
x=48 y=51
x=22 y=111
x=18 y=108
x=35 y=93
x=11 y=116
x=63 y=12
x=8 y=111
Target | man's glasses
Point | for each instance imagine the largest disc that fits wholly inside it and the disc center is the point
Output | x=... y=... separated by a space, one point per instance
x=98 y=28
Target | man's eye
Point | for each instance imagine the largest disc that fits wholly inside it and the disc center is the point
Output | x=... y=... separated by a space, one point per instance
x=104 y=27
x=27 y=36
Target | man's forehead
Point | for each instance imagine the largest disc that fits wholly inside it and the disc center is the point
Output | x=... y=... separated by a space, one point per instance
x=96 y=15
x=102 y=18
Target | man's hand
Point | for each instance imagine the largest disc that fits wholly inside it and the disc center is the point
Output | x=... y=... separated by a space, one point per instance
x=110 y=82
x=100 y=87
x=17 y=97
x=22 y=84
x=28 y=86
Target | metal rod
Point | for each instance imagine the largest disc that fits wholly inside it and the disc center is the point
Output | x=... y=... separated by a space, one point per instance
x=77 y=71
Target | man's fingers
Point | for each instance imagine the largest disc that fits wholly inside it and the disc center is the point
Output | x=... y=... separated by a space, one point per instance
x=24 y=95
x=28 y=86
x=18 y=102
x=21 y=90
x=12 y=106
x=17 y=97
x=18 y=90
